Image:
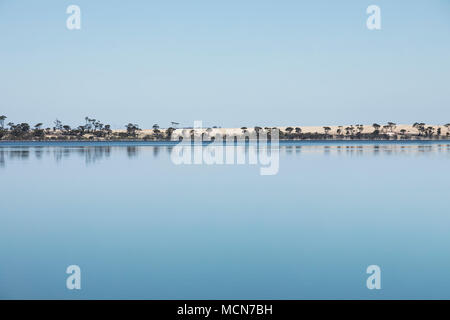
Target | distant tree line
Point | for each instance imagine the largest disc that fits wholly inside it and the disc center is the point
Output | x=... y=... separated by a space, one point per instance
x=93 y=129
x=356 y=132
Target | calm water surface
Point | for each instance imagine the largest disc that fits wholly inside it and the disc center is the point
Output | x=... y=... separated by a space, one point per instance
x=141 y=227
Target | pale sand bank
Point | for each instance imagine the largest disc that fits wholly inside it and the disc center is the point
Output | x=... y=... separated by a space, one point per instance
x=334 y=130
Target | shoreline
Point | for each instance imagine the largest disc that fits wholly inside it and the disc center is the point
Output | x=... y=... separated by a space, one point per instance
x=281 y=141
x=375 y=132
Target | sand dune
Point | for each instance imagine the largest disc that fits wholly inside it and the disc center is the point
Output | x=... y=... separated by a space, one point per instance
x=397 y=129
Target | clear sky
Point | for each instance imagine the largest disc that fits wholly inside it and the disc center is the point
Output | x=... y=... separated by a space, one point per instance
x=228 y=63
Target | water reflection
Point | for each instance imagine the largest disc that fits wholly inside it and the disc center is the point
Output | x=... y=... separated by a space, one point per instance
x=93 y=154
x=132 y=151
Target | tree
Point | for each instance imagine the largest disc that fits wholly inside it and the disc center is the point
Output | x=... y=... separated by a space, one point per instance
x=155 y=127
x=38 y=132
x=327 y=130
x=376 y=127
x=391 y=126
x=25 y=127
x=169 y=132
x=257 y=131
x=349 y=131
x=98 y=125
x=58 y=125
x=81 y=130
x=352 y=129
x=447 y=126
x=2 y=121
x=88 y=125
x=420 y=127
x=132 y=129
x=20 y=129
x=108 y=129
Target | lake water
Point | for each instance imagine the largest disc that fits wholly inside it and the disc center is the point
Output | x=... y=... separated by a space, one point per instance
x=141 y=227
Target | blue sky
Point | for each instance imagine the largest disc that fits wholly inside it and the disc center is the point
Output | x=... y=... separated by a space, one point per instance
x=228 y=63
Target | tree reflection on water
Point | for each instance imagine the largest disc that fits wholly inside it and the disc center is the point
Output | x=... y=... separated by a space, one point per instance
x=93 y=154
